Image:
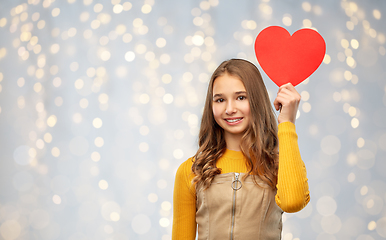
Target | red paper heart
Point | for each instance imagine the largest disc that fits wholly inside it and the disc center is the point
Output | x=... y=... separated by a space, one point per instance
x=285 y=58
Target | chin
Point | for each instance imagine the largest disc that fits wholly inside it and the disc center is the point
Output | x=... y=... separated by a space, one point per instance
x=235 y=131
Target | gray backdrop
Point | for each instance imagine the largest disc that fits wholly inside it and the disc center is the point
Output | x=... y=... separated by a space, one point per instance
x=100 y=102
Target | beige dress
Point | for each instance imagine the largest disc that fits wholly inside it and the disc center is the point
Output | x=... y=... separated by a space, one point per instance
x=238 y=210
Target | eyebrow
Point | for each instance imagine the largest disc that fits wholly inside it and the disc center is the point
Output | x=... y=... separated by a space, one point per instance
x=236 y=93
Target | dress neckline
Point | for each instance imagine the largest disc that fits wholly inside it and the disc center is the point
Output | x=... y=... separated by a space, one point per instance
x=233 y=154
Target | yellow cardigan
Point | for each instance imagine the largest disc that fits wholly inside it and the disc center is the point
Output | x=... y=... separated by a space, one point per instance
x=292 y=187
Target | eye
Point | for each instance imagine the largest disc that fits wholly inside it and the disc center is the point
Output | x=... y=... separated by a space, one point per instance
x=219 y=100
x=241 y=97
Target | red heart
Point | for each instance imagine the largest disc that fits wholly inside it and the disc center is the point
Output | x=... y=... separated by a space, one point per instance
x=285 y=58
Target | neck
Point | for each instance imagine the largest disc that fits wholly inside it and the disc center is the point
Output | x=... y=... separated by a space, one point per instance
x=233 y=141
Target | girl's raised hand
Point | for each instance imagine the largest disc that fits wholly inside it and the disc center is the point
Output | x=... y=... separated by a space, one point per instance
x=287 y=101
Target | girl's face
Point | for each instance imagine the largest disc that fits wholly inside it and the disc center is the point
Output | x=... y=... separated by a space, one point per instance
x=230 y=105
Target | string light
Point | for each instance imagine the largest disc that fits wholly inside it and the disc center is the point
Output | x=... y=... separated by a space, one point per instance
x=106 y=101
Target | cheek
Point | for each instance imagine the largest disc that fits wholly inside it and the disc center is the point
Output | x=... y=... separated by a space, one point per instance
x=216 y=112
x=246 y=110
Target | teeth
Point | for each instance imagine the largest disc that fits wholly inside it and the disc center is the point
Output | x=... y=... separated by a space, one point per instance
x=233 y=120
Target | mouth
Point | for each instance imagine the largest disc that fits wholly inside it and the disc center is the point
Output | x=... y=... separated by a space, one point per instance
x=233 y=120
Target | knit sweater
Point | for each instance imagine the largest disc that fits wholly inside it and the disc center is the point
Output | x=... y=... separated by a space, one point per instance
x=292 y=186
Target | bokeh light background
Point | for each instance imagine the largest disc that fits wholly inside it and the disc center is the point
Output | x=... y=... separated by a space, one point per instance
x=100 y=102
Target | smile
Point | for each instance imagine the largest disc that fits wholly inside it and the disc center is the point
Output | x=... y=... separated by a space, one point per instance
x=234 y=120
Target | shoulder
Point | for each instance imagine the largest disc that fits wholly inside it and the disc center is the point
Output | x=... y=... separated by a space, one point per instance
x=187 y=163
x=185 y=169
x=184 y=176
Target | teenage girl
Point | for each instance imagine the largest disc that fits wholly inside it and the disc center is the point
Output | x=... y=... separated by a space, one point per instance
x=248 y=168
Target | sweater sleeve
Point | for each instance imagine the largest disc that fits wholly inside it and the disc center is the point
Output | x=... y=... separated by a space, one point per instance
x=292 y=183
x=184 y=204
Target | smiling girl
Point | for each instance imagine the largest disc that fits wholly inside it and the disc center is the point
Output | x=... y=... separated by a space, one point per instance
x=237 y=185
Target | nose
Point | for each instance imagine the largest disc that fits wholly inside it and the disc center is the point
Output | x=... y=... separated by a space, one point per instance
x=231 y=108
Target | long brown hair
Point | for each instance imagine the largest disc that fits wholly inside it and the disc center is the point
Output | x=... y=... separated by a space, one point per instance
x=259 y=143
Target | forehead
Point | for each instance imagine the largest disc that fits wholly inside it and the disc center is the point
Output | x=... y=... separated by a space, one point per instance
x=227 y=84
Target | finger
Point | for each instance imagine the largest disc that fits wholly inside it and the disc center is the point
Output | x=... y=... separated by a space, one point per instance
x=279 y=101
x=290 y=94
x=281 y=87
x=285 y=93
x=287 y=85
x=284 y=87
x=290 y=87
x=287 y=100
x=276 y=104
x=284 y=97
